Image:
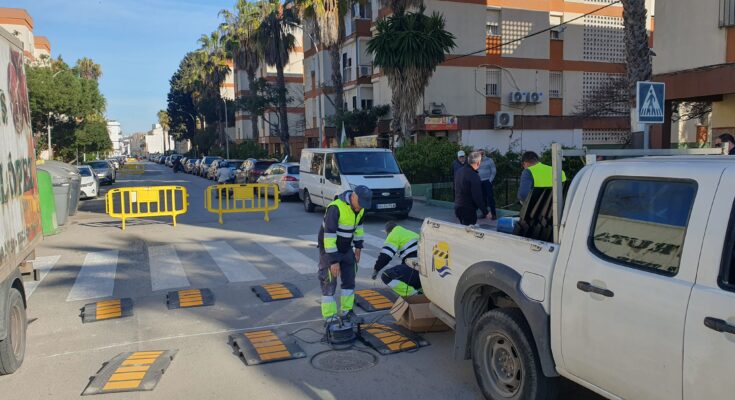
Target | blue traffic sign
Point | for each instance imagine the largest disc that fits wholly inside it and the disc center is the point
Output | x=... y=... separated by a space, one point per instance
x=650 y=97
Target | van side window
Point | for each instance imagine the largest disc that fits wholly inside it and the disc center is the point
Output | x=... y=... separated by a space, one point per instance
x=726 y=280
x=331 y=171
x=316 y=163
x=641 y=223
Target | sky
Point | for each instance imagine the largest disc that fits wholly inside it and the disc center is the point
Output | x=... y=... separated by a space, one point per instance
x=138 y=43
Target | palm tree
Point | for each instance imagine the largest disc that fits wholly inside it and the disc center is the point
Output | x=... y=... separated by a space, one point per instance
x=394 y=5
x=276 y=41
x=240 y=29
x=165 y=121
x=214 y=69
x=637 y=52
x=88 y=69
x=408 y=47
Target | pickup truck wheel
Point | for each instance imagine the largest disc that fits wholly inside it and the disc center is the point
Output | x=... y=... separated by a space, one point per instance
x=308 y=205
x=13 y=348
x=505 y=360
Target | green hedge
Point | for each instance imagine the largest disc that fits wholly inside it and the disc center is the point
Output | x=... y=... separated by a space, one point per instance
x=429 y=160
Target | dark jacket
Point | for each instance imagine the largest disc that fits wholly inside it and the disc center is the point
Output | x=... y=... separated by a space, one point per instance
x=468 y=190
x=456 y=165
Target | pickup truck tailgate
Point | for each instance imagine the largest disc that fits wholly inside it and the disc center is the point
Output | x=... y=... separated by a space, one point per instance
x=447 y=250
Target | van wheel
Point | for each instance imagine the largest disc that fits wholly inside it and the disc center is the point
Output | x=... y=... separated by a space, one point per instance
x=13 y=348
x=505 y=360
x=308 y=205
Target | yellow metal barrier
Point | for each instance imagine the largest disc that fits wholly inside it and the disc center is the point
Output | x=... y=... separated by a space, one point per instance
x=153 y=201
x=133 y=169
x=242 y=198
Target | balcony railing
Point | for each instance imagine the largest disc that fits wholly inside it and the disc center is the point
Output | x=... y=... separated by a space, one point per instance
x=347 y=74
x=365 y=71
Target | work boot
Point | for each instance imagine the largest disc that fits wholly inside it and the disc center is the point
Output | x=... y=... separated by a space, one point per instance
x=352 y=317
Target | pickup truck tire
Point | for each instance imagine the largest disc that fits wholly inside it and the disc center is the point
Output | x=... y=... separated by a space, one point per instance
x=505 y=359
x=12 y=349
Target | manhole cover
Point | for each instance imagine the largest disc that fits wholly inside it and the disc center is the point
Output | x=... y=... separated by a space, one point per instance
x=344 y=360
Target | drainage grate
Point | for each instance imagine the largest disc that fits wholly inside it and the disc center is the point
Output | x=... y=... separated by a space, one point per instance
x=352 y=360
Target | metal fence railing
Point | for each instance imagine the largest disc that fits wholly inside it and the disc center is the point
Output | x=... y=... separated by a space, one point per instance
x=505 y=191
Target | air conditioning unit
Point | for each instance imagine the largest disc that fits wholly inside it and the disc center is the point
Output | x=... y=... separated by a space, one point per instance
x=525 y=97
x=503 y=119
x=516 y=97
x=535 y=97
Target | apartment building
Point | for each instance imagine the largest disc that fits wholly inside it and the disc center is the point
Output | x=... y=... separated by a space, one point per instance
x=695 y=57
x=18 y=22
x=237 y=85
x=114 y=130
x=490 y=93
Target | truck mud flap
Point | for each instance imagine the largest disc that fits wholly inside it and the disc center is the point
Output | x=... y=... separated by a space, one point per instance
x=131 y=372
x=265 y=346
x=375 y=299
x=107 y=309
x=390 y=338
x=276 y=291
x=189 y=298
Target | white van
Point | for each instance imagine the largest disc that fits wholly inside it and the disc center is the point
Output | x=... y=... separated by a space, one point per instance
x=326 y=173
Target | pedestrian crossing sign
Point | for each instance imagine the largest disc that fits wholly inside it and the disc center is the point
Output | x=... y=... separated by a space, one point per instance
x=650 y=102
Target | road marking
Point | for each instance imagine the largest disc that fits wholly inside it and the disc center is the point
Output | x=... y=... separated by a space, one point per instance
x=374 y=241
x=235 y=267
x=366 y=260
x=166 y=269
x=96 y=278
x=290 y=256
x=43 y=265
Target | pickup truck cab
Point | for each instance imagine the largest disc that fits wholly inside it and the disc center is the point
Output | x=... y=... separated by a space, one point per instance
x=637 y=301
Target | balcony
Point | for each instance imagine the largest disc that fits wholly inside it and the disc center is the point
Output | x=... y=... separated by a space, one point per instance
x=365 y=71
x=347 y=74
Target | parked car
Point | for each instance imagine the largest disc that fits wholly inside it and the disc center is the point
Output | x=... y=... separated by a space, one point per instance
x=172 y=159
x=205 y=163
x=191 y=165
x=285 y=175
x=115 y=163
x=325 y=173
x=232 y=164
x=252 y=169
x=90 y=183
x=104 y=170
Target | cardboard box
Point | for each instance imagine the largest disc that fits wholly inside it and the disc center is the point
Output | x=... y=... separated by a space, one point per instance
x=414 y=314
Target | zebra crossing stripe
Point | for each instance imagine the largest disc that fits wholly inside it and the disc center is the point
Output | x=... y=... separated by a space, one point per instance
x=166 y=269
x=43 y=265
x=233 y=265
x=367 y=261
x=291 y=257
x=374 y=241
x=96 y=279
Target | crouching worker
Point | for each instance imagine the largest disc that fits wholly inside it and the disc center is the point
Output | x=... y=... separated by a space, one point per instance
x=403 y=243
x=341 y=230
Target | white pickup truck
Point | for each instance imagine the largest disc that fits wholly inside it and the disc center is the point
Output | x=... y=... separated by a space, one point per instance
x=636 y=301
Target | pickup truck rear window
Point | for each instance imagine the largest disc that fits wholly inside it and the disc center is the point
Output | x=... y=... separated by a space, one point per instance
x=641 y=223
x=726 y=279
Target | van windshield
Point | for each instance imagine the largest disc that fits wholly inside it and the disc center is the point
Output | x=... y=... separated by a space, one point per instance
x=367 y=163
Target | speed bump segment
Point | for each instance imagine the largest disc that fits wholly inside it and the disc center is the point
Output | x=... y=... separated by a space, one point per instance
x=189 y=298
x=107 y=309
x=131 y=372
x=276 y=291
x=374 y=300
x=390 y=338
x=265 y=346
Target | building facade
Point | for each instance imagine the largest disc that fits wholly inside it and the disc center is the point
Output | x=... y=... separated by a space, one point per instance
x=155 y=141
x=18 y=22
x=115 y=131
x=697 y=65
x=498 y=88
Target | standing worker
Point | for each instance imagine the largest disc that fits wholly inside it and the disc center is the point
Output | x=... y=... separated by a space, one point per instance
x=487 y=173
x=468 y=192
x=459 y=162
x=726 y=140
x=535 y=175
x=403 y=243
x=342 y=228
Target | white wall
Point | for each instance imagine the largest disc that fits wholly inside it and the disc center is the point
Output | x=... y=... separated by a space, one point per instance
x=533 y=140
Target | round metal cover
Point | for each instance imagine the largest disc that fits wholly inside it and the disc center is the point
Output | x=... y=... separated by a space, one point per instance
x=344 y=360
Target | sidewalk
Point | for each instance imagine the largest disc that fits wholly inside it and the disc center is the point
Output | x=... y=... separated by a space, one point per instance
x=423 y=210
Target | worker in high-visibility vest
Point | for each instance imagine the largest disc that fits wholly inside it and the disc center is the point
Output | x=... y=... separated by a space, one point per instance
x=401 y=243
x=341 y=231
x=535 y=175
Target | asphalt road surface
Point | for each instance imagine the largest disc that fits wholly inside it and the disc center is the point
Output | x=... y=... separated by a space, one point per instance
x=92 y=259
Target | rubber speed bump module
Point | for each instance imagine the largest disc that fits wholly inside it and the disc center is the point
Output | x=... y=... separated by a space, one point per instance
x=276 y=291
x=189 y=298
x=265 y=346
x=374 y=300
x=130 y=372
x=108 y=309
x=390 y=338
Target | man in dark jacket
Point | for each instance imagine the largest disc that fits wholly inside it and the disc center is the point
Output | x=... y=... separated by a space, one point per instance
x=460 y=162
x=468 y=192
x=726 y=140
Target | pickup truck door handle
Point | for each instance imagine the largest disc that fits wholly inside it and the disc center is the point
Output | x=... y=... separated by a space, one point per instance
x=590 y=288
x=719 y=325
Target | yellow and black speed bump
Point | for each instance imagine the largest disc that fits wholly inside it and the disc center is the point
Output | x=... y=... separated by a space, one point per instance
x=189 y=298
x=265 y=346
x=390 y=338
x=130 y=372
x=375 y=300
x=276 y=291
x=107 y=309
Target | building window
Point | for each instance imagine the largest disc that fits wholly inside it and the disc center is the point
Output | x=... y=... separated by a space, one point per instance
x=492 y=85
x=556 y=84
x=492 y=26
x=366 y=104
x=354 y=102
x=556 y=28
x=727 y=13
x=641 y=223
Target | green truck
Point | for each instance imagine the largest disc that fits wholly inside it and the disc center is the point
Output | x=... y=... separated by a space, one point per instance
x=20 y=215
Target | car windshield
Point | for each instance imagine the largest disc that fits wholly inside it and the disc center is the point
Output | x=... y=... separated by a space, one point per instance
x=263 y=165
x=367 y=163
x=85 y=172
x=293 y=170
x=99 y=164
x=208 y=160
